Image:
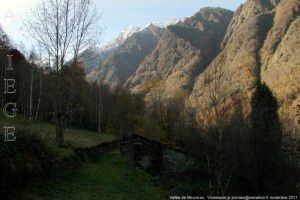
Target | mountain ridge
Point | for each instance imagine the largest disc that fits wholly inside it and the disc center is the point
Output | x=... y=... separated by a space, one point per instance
x=123 y=61
x=183 y=52
x=260 y=40
x=92 y=57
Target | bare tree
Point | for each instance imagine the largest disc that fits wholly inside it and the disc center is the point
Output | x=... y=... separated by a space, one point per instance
x=41 y=66
x=63 y=28
x=32 y=59
x=87 y=32
x=212 y=115
x=215 y=97
x=99 y=109
x=40 y=94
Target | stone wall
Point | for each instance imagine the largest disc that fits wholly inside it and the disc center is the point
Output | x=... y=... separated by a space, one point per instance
x=159 y=158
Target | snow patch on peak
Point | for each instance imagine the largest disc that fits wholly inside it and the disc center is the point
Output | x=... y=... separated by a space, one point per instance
x=129 y=31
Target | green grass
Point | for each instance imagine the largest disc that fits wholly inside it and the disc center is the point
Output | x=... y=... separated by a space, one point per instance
x=109 y=177
x=73 y=138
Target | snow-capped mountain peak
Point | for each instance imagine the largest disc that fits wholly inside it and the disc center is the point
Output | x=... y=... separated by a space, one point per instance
x=93 y=56
x=129 y=31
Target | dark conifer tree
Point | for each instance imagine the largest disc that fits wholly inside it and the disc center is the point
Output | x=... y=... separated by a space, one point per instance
x=266 y=135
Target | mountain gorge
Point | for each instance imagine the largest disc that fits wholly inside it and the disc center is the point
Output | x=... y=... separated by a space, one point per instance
x=205 y=105
x=215 y=49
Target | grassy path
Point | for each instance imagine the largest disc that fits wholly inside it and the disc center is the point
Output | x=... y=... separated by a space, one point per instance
x=109 y=177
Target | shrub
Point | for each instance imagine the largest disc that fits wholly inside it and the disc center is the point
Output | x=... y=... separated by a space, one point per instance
x=26 y=157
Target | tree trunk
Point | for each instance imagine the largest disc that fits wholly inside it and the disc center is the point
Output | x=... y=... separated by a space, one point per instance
x=99 y=110
x=59 y=134
x=39 y=100
x=80 y=121
x=31 y=91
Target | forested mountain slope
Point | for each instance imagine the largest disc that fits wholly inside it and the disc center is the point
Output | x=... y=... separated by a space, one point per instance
x=214 y=53
x=184 y=51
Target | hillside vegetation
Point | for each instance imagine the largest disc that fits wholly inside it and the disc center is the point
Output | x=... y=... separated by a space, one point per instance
x=35 y=155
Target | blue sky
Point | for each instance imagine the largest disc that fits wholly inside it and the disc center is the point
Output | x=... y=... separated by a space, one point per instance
x=117 y=14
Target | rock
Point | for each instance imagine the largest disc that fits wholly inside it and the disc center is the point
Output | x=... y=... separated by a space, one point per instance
x=280 y=58
x=234 y=71
x=182 y=53
x=125 y=59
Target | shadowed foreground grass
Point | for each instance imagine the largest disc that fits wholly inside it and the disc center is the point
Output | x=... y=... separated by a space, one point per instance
x=109 y=177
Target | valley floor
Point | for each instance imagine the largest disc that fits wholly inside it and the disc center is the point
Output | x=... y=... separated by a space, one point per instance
x=109 y=177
